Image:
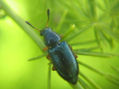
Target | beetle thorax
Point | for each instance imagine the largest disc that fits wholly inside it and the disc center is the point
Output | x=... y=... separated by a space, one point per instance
x=51 y=38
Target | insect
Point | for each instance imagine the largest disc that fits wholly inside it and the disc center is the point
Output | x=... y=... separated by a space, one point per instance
x=60 y=54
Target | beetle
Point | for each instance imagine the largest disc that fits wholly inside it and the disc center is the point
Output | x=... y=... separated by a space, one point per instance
x=60 y=53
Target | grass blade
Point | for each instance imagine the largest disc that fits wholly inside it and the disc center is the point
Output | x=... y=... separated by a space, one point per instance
x=70 y=30
x=83 y=12
x=83 y=83
x=112 y=79
x=92 y=8
x=36 y=58
x=61 y=21
x=90 y=81
x=98 y=39
x=78 y=52
x=111 y=33
x=83 y=43
x=89 y=67
x=115 y=69
x=104 y=37
x=109 y=77
x=88 y=49
x=100 y=6
x=73 y=36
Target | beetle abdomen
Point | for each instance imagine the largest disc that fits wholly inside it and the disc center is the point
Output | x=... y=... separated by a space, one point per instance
x=65 y=62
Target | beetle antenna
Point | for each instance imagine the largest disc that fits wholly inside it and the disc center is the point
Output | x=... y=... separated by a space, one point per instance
x=48 y=15
x=32 y=25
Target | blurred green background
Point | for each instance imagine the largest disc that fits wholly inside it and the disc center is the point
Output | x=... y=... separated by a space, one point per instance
x=16 y=47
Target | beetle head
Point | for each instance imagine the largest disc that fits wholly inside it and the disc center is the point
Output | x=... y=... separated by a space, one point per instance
x=45 y=31
x=51 y=38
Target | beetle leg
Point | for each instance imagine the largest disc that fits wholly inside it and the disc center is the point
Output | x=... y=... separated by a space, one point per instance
x=75 y=56
x=48 y=57
x=53 y=68
x=45 y=49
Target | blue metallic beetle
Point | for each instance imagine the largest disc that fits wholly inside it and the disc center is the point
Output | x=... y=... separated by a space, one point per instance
x=62 y=56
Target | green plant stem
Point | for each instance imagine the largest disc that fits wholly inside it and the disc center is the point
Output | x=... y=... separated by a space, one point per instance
x=76 y=86
x=22 y=24
x=49 y=76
